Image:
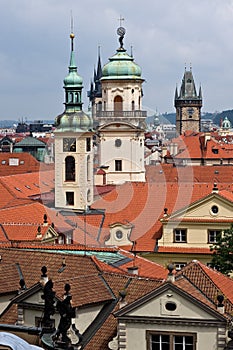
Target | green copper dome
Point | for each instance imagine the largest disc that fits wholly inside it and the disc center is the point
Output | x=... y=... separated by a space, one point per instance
x=77 y=121
x=72 y=79
x=121 y=66
x=226 y=124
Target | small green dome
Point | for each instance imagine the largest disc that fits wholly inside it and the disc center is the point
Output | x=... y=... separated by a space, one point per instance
x=226 y=124
x=121 y=66
x=73 y=79
x=77 y=121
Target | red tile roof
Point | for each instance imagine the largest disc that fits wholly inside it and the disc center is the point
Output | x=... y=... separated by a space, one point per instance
x=222 y=175
x=193 y=145
x=146 y=268
x=26 y=163
x=142 y=205
x=80 y=272
x=210 y=282
x=29 y=185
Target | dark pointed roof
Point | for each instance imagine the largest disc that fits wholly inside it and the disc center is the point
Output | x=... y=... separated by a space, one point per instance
x=188 y=88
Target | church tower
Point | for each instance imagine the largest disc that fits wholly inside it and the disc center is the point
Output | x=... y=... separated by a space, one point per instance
x=73 y=146
x=120 y=118
x=188 y=105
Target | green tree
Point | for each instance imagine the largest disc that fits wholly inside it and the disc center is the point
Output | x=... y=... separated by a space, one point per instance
x=222 y=259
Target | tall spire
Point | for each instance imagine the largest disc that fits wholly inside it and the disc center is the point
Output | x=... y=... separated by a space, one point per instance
x=200 y=92
x=176 y=94
x=99 y=66
x=188 y=88
x=73 y=84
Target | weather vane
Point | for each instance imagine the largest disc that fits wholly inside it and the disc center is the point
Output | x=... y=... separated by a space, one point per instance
x=121 y=32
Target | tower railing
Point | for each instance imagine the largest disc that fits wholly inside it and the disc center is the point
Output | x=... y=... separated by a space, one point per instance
x=121 y=115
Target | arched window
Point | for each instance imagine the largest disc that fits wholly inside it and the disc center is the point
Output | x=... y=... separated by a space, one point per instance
x=99 y=106
x=71 y=97
x=133 y=105
x=118 y=103
x=77 y=97
x=69 y=168
x=88 y=168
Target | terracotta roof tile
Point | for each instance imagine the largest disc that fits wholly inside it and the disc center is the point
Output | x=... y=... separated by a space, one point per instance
x=80 y=272
x=136 y=288
x=26 y=163
x=210 y=282
x=146 y=268
x=29 y=185
x=142 y=205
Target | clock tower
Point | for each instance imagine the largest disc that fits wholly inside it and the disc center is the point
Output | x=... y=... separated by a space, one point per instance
x=188 y=105
x=73 y=146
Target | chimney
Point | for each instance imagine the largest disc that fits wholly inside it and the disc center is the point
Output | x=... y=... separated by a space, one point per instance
x=207 y=137
x=133 y=270
x=215 y=188
x=171 y=276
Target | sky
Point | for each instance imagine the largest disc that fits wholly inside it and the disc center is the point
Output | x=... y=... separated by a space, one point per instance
x=166 y=36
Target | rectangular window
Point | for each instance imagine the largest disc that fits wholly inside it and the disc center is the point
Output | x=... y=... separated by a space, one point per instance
x=88 y=144
x=180 y=235
x=69 y=198
x=169 y=341
x=118 y=165
x=213 y=235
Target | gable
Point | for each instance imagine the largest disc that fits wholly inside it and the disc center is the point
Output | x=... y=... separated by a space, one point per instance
x=180 y=301
x=158 y=307
x=211 y=207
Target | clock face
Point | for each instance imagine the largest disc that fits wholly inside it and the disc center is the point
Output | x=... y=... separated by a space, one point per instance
x=69 y=144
